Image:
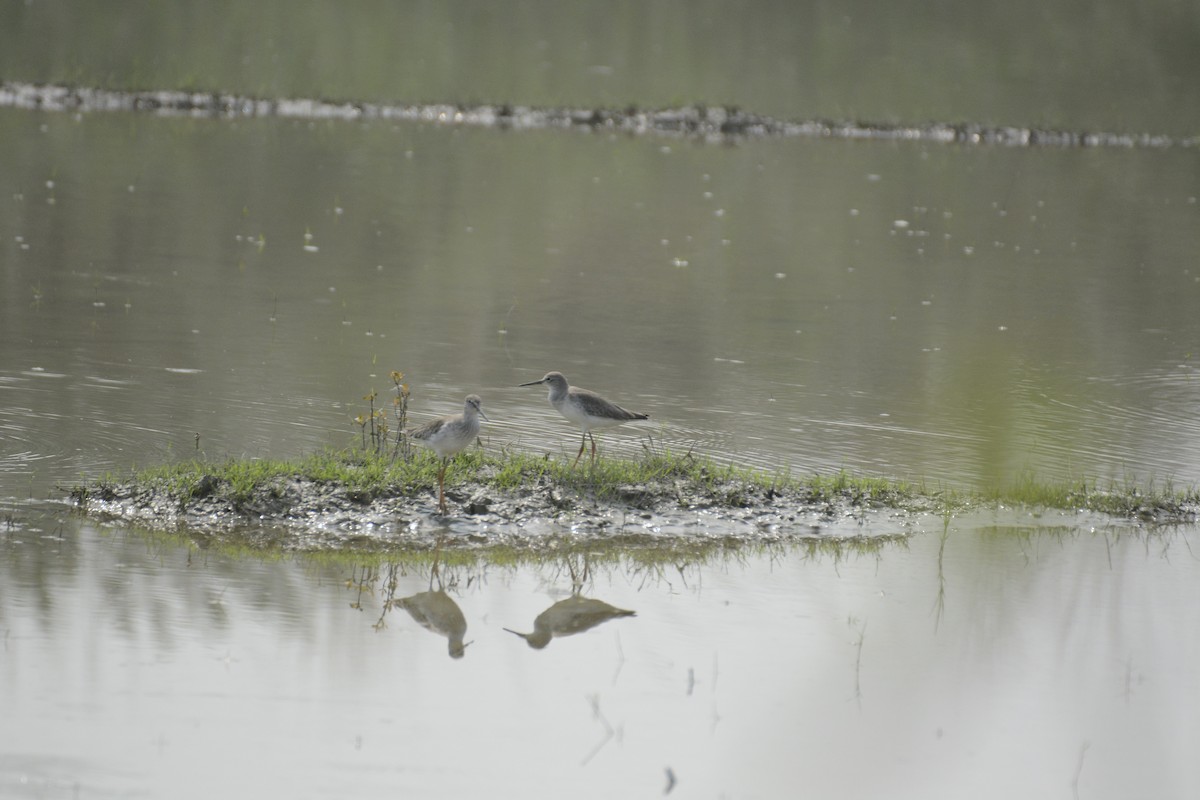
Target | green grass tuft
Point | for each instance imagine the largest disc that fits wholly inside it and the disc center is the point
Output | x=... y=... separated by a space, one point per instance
x=1127 y=500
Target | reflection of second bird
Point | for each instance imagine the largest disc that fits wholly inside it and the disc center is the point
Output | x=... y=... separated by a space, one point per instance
x=576 y=614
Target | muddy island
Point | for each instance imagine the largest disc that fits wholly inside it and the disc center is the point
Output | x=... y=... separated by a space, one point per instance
x=349 y=499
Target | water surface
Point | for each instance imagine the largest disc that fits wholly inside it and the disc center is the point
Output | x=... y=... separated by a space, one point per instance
x=999 y=660
x=956 y=315
x=964 y=316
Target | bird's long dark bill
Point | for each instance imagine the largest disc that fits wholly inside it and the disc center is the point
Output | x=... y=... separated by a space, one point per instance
x=532 y=383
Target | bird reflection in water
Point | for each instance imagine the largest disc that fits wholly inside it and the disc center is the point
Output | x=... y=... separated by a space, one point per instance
x=574 y=615
x=436 y=611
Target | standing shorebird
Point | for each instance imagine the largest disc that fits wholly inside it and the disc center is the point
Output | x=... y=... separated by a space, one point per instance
x=586 y=409
x=449 y=436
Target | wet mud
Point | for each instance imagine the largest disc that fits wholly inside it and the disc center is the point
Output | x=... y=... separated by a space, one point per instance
x=302 y=514
x=298 y=513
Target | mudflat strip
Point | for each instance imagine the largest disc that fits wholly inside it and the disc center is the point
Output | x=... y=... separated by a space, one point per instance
x=709 y=123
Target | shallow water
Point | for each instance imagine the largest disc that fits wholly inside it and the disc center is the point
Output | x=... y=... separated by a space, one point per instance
x=956 y=315
x=998 y=660
x=174 y=288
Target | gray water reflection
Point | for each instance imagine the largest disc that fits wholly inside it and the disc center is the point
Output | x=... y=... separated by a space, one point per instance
x=932 y=668
x=433 y=609
x=568 y=617
x=573 y=614
x=436 y=612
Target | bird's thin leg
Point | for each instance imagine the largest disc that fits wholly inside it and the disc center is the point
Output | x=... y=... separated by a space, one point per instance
x=582 y=444
x=442 y=487
x=593 y=438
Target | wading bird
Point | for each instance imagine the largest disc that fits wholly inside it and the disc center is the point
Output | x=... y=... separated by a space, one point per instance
x=586 y=409
x=449 y=436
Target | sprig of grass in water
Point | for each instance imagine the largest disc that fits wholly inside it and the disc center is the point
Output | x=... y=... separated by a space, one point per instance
x=844 y=486
x=1128 y=500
